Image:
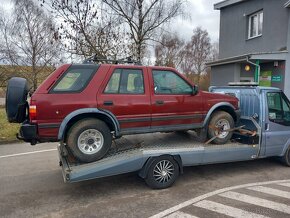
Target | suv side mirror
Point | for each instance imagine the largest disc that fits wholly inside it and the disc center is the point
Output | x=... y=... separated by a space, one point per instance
x=194 y=90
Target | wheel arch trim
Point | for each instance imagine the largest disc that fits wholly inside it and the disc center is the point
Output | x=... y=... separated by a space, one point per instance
x=214 y=108
x=69 y=117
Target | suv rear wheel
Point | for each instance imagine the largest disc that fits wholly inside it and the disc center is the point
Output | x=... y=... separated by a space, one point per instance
x=219 y=126
x=89 y=140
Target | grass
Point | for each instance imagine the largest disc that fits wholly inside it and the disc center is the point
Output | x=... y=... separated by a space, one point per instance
x=7 y=130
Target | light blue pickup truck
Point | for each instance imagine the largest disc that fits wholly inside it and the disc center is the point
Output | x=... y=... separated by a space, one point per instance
x=263 y=131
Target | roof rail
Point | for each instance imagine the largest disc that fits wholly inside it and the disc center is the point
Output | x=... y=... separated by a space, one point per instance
x=95 y=59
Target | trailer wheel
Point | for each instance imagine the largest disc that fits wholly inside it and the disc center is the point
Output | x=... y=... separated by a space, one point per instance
x=286 y=157
x=219 y=123
x=89 y=140
x=162 y=173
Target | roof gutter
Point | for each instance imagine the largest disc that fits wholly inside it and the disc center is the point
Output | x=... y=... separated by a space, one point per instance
x=234 y=60
x=258 y=67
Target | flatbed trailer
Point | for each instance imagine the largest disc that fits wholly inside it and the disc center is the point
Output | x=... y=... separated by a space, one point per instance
x=160 y=157
x=142 y=153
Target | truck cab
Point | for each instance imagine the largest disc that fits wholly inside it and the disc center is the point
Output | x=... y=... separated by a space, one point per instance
x=270 y=108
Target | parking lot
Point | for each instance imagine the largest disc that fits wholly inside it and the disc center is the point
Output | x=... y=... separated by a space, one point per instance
x=32 y=186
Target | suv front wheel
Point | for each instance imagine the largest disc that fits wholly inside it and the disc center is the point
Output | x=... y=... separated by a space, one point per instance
x=220 y=127
x=89 y=140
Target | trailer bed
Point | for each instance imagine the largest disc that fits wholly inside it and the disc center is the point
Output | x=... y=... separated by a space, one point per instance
x=130 y=153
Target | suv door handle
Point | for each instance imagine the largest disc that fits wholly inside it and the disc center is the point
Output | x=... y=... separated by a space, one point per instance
x=108 y=103
x=159 y=102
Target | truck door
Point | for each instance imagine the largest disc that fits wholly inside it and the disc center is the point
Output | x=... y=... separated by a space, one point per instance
x=125 y=94
x=277 y=122
x=173 y=102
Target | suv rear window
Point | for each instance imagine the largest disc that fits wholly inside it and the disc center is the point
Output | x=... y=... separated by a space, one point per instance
x=75 y=79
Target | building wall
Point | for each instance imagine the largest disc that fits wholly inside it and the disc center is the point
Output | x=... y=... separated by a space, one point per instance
x=222 y=75
x=234 y=28
x=287 y=65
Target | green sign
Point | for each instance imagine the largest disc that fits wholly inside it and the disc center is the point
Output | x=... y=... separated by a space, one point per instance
x=265 y=78
x=277 y=78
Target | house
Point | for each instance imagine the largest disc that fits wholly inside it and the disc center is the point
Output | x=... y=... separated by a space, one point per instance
x=254 y=43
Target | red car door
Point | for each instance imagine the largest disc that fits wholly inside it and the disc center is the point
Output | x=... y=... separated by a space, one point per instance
x=126 y=94
x=173 y=102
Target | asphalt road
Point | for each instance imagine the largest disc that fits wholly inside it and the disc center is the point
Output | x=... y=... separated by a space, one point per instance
x=31 y=185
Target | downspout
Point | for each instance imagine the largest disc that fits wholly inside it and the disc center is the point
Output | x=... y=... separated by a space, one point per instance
x=257 y=71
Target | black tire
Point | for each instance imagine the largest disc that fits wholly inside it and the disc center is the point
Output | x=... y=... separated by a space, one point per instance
x=89 y=140
x=16 y=100
x=286 y=157
x=224 y=121
x=155 y=179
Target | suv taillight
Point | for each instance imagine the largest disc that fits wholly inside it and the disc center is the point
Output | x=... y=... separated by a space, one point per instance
x=32 y=112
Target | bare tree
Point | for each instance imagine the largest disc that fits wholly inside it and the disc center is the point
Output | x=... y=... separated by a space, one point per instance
x=214 y=51
x=144 y=18
x=197 y=52
x=87 y=28
x=169 y=52
x=28 y=43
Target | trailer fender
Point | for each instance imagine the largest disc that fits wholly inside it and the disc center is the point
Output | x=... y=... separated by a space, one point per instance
x=215 y=107
x=69 y=117
x=144 y=171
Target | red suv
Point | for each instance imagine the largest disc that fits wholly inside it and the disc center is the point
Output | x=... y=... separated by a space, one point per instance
x=86 y=105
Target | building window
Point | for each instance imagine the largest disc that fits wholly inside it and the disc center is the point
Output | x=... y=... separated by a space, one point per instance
x=255 y=25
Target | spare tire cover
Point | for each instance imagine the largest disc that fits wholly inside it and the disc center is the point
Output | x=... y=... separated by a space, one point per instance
x=16 y=96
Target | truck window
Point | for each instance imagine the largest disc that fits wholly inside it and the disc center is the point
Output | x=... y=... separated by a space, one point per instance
x=167 y=82
x=278 y=108
x=125 y=81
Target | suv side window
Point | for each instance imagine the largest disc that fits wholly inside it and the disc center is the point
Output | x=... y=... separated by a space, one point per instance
x=126 y=81
x=74 y=80
x=279 y=108
x=167 y=82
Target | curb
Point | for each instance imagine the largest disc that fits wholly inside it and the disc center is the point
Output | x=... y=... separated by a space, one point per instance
x=5 y=142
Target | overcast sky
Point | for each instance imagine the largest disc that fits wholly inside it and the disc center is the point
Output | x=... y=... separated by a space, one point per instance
x=202 y=14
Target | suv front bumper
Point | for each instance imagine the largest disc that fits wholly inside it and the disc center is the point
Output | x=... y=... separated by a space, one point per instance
x=28 y=133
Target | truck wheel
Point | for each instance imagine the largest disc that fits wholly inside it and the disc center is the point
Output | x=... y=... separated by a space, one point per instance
x=16 y=96
x=286 y=157
x=219 y=122
x=162 y=173
x=89 y=140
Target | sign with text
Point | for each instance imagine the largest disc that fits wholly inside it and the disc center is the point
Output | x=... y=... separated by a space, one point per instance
x=266 y=78
x=277 y=78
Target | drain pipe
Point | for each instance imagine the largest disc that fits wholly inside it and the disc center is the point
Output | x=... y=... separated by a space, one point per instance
x=259 y=69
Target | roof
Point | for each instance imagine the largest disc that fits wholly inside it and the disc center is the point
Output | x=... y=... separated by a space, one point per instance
x=226 y=3
x=273 y=56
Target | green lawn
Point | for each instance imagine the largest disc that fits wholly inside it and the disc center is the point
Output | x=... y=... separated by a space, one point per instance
x=7 y=130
